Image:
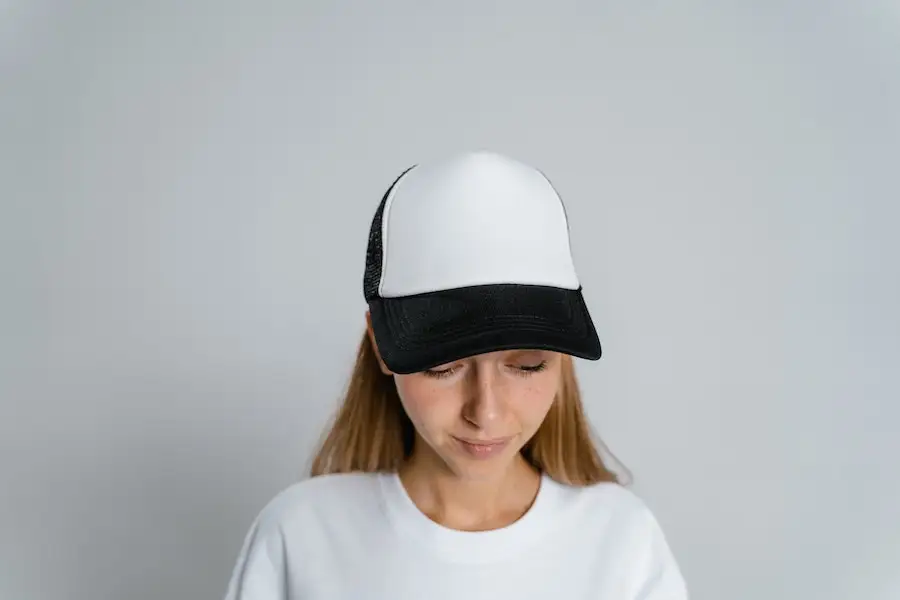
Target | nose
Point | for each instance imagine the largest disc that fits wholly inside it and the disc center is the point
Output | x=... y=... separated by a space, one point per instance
x=484 y=406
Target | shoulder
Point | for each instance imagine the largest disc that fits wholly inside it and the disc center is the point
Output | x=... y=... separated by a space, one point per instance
x=626 y=525
x=317 y=495
x=296 y=521
x=613 y=512
x=609 y=501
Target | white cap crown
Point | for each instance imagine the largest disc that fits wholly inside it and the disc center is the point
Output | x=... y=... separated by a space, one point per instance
x=476 y=219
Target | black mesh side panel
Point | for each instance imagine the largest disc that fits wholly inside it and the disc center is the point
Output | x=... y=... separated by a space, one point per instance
x=374 y=251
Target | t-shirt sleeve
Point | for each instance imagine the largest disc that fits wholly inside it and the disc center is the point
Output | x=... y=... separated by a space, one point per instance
x=260 y=570
x=660 y=577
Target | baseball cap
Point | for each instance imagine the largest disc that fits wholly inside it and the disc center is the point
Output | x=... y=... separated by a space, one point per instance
x=470 y=254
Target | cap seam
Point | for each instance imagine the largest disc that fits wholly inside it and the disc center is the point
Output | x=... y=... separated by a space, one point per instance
x=566 y=219
x=385 y=226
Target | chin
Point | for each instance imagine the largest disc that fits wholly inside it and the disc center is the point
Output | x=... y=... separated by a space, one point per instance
x=478 y=469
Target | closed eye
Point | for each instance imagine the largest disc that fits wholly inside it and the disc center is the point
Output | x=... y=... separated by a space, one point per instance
x=439 y=373
x=523 y=370
x=529 y=369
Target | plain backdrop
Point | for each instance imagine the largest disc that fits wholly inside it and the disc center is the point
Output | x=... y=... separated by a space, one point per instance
x=186 y=193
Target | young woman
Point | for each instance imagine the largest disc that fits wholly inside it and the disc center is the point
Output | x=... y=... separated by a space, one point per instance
x=461 y=463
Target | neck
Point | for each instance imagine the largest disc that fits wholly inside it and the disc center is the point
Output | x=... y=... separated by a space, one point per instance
x=467 y=504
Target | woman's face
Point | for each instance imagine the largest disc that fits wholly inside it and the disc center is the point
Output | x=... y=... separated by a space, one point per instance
x=476 y=414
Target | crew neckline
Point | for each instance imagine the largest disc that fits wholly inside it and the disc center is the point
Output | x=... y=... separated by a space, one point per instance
x=470 y=546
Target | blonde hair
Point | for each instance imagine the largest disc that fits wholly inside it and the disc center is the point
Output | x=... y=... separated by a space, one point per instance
x=371 y=431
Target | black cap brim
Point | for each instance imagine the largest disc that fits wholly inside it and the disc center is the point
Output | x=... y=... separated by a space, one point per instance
x=419 y=332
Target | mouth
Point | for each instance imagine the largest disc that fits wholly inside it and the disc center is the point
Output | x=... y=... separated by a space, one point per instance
x=482 y=448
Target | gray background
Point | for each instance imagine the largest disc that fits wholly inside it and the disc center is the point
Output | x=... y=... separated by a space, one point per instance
x=186 y=192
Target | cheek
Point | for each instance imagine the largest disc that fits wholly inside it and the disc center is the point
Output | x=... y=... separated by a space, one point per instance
x=427 y=405
x=534 y=399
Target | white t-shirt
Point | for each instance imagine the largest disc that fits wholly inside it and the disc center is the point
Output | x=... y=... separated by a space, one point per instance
x=360 y=537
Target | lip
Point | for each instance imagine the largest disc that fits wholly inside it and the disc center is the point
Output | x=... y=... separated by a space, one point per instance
x=482 y=449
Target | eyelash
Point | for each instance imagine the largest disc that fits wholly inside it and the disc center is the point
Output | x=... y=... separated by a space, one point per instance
x=523 y=371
